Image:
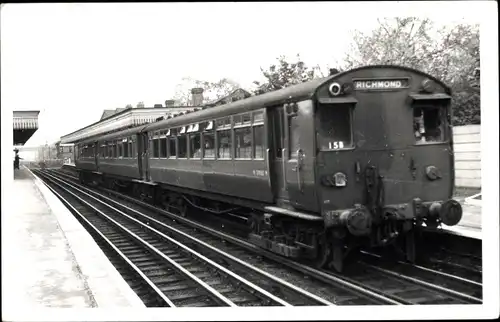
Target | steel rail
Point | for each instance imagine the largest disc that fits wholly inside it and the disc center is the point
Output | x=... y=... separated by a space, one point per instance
x=217 y=296
x=245 y=282
x=110 y=244
x=318 y=274
x=218 y=251
x=426 y=284
x=426 y=269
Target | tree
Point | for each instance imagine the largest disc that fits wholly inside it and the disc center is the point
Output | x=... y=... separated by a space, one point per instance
x=211 y=90
x=140 y=105
x=285 y=74
x=449 y=54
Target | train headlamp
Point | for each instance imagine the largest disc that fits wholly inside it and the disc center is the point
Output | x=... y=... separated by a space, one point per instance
x=335 y=89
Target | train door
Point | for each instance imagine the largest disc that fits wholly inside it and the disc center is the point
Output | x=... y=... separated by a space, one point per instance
x=276 y=152
x=96 y=155
x=300 y=155
x=143 y=155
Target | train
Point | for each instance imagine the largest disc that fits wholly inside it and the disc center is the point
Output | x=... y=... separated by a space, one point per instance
x=359 y=159
x=65 y=152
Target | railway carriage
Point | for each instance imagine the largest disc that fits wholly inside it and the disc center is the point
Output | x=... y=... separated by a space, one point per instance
x=362 y=157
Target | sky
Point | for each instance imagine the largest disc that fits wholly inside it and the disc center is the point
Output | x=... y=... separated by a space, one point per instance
x=72 y=61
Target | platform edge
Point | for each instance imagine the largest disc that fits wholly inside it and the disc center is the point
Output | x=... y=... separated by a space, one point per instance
x=76 y=237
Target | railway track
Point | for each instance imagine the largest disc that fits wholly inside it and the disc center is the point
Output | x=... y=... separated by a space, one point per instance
x=170 y=273
x=369 y=282
x=456 y=255
x=457 y=287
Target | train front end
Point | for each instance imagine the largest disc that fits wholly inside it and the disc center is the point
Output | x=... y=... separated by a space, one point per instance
x=385 y=159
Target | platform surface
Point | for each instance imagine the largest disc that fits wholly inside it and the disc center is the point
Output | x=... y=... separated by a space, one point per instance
x=49 y=260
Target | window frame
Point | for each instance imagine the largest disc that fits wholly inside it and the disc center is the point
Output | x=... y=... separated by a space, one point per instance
x=442 y=108
x=209 y=130
x=260 y=123
x=242 y=126
x=181 y=134
x=225 y=126
x=352 y=143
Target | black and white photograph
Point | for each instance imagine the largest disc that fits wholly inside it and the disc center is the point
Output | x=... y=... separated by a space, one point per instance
x=216 y=161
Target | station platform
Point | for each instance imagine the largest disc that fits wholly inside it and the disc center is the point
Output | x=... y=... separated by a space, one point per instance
x=50 y=260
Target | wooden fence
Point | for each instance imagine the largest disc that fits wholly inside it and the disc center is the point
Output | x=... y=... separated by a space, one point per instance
x=467 y=147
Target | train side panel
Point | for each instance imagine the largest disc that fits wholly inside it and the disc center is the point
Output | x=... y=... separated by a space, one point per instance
x=123 y=167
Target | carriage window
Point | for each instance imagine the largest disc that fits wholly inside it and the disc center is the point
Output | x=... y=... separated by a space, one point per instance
x=120 y=149
x=247 y=118
x=278 y=132
x=258 y=117
x=243 y=141
x=258 y=141
x=335 y=131
x=293 y=137
x=209 y=141
x=428 y=125
x=125 y=149
x=171 y=147
x=224 y=123
x=115 y=150
x=131 y=147
x=182 y=153
x=163 y=146
x=238 y=120
x=156 y=147
x=195 y=145
x=242 y=119
x=224 y=141
x=224 y=138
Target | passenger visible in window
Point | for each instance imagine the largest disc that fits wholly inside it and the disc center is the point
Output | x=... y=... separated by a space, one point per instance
x=224 y=138
x=428 y=125
x=209 y=143
x=195 y=145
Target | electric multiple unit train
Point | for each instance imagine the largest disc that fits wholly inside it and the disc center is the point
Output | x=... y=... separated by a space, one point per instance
x=360 y=158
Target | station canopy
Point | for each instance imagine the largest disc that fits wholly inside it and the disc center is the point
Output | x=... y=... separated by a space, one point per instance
x=25 y=124
x=124 y=119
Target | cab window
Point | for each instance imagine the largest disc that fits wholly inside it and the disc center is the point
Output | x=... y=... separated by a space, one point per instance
x=428 y=124
x=335 y=126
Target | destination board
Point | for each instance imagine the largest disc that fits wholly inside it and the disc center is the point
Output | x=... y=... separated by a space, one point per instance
x=380 y=84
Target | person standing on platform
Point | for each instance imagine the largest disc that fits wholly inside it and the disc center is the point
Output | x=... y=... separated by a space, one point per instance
x=16 y=159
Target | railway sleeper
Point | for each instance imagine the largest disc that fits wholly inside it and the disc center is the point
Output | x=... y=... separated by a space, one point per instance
x=290 y=237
